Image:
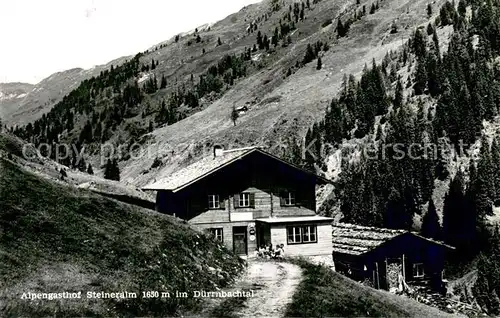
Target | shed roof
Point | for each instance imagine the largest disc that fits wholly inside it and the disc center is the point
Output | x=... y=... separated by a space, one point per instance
x=208 y=165
x=295 y=219
x=357 y=240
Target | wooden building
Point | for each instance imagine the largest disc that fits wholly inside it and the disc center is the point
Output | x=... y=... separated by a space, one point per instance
x=387 y=258
x=248 y=198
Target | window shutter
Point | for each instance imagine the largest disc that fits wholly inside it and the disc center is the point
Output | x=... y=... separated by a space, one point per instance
x=252 y=200
x=282 y=198
x=236 y=200
x=222 y=203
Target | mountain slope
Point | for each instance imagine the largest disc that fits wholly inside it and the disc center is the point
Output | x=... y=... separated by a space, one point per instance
x=10 y=96
x=57 y=238
x=32 y=101
x=184 y=88
x=281 y=106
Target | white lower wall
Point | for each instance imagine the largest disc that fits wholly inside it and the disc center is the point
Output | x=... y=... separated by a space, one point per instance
x=323 y=246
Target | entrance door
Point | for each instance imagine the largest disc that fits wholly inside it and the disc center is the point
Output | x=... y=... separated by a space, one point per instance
x=240 y=240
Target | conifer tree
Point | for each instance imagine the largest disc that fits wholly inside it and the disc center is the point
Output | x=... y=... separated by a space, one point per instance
x=319 y=64
x=265 y=42
x=378 y=132
x=309 y=56
x=163 y=83
x=398 y=96
x=430 y=223
x=115 y=170
x=495 y=157
x=462 y=8
x=334 y=123
x=433 y=71
x=219 y=42
x=341 y=29
x=260 y=43
x=82 y=165
x=454 y=210
x=430 y=29
x=429 y=10
x=275 y=38
x=487 y=286
x=108 y=170
x=294 y=152
x=484 y=184
x=419 y=44
x=420 y=78
x=234 y=115
x=89 y=169
x=372 y=8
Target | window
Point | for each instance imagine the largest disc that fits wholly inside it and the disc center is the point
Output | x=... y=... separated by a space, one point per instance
x=309 y=234
x=217 y=233
x=213 y=201
x=244 y=200
x=418 y=270
x=301 y=234
x=293 y=234
x=289 y=198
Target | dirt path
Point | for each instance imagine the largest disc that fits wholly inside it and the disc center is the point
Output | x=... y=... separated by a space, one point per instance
x=273 y=285
x=277 y=283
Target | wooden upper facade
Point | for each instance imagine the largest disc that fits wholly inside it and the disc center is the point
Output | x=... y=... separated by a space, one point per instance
x=251 y=185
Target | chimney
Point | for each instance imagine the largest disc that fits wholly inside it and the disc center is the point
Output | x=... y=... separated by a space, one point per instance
x=218 y=151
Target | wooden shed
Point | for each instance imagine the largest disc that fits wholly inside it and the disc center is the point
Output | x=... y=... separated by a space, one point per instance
x=387 y=258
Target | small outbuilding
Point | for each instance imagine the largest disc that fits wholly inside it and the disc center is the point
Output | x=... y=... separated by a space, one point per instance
x=386 y=258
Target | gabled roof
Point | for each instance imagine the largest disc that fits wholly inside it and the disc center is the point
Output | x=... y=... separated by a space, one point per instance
x=208 y=165
x=357 y=240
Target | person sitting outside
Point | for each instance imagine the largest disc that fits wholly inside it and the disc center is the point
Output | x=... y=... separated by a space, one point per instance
x=261 y=252
x=279 y=252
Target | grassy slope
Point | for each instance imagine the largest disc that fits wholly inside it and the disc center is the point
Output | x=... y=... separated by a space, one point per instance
x=48 y=169
x=55 y=238
x=324 y=293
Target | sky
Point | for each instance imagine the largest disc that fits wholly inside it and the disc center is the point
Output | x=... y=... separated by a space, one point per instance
x=41 y=37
